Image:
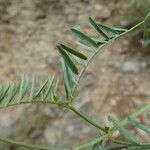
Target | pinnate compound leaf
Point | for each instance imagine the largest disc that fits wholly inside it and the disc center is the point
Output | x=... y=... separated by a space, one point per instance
x=117 y=125
x=68 y=60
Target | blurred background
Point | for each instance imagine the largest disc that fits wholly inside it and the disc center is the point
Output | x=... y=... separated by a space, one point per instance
x=116 y=83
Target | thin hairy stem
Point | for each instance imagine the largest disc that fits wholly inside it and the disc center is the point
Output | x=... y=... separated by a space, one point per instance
x=65 y=105
x=51 y=102
x=21 y=144
x=89 y=120
x=98 y=140
x=28 y=102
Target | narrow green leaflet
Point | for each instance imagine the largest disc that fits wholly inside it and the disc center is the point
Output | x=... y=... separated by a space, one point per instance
x=50 y=84
x=125 y=143
x=137 y=124
x=1 y=91
x=11 y=94
x=67 y=79
x=100 y=43
x=84 y=38
x=4 y=92
x=111 y=30
x=32 y=88
x=23 y=87
x=85 y=47
x=41 y=94
x=72 y=78
x=74 y=52
x=122 y=130
x=98 y=28
x=40 y=89
x=79 y=61
x=68 y=60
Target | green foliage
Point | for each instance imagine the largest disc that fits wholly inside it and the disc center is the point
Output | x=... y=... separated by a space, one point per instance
x=26 y=91
x=117 y=125
x=46 y=92
x=139 y=125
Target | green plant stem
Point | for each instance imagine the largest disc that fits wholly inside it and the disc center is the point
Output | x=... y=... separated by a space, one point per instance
x=93 y=142
x=72 y=108
x=27 y=102
x=21 y=144
x=81 y=115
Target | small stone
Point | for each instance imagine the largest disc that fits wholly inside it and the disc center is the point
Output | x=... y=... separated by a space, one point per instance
x=98 y=7
x=113 y=102
x=133 y=66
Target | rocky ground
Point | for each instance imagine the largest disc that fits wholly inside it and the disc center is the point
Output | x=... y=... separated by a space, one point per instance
x=116 y=83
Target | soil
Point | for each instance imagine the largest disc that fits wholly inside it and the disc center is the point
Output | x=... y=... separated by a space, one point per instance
x=116 y=82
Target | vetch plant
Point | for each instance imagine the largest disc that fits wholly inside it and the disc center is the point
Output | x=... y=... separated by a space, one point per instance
x=74 y=64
